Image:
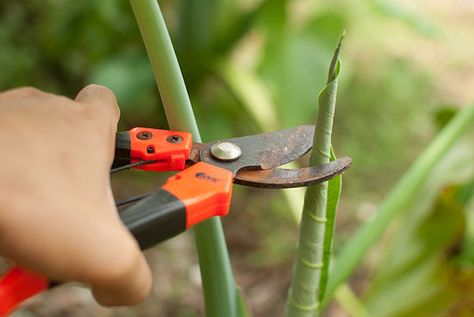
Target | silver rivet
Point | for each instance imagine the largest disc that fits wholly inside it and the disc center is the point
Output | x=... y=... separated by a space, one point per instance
x=226 y=151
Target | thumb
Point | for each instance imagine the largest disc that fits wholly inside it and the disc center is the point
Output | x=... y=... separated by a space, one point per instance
x=100 y=101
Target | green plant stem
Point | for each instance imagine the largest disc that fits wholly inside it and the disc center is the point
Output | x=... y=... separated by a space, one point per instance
x=169 y=79
x=218 y=282
x=397 y=200
x=303 y=297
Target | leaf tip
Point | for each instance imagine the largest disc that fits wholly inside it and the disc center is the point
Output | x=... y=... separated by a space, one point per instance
x=339 y=44
x=333 y=68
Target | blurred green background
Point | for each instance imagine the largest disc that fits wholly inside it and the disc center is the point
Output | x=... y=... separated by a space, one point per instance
x=254 y=66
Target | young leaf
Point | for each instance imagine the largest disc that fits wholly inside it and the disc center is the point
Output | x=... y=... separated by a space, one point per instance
x=304 y=294
x=334 y=192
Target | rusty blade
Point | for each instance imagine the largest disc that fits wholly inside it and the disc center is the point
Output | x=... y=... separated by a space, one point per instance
x=290 y=178
x=261 y=151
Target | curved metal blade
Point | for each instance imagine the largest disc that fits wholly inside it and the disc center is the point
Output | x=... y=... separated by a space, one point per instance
x=290 y=178
x=262 y=151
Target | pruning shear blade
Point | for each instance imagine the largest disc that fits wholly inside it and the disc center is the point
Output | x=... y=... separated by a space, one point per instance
x=291 y=178
x=263 y=153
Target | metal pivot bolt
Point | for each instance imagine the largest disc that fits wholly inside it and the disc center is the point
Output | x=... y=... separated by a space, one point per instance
x=226 y=151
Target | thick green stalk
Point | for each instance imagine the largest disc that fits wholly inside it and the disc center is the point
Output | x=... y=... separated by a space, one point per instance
x=303 y=297
x=218 y=282
x=397 y=200
x=169 y=79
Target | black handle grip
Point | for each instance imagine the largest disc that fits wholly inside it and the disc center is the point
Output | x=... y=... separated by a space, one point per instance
x=155 y=218
x=122 y=149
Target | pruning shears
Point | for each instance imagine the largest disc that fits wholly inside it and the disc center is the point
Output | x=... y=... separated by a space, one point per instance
x=200 y=190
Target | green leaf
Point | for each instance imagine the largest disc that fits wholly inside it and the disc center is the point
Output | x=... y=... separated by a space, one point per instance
x=304 y=294
x=417 y=267
x=404 y=192
x=444 y=115
x=466 y=257
x=334 y=193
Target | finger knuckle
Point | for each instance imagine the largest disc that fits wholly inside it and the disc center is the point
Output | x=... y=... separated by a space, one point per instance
x=29 y=91
x=100 y=91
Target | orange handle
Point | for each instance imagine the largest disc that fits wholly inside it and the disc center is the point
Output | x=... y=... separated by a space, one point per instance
x=18 y=285
x=198 y=193
x=191 y=196
x=204 y=189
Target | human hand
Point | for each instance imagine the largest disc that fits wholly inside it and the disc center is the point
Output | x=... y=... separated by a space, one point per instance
x=57 y=212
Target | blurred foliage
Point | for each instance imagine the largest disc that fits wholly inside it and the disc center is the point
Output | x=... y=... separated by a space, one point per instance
x=60 y=46
x=417 y=266
x=258 y=65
